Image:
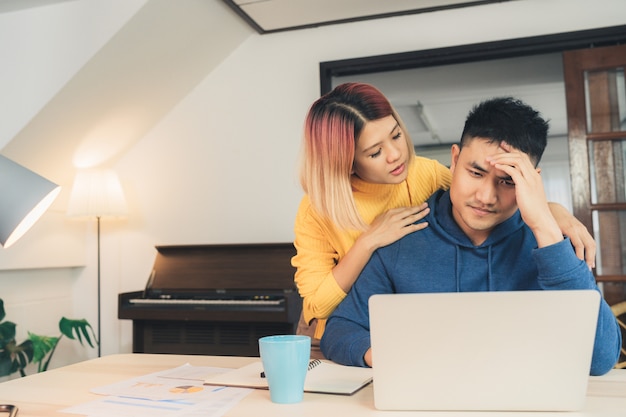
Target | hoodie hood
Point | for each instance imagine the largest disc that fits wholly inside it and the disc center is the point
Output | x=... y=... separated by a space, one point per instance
x=492 y=256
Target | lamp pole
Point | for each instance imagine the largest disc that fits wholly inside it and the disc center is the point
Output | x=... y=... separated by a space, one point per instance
x=97 y=193
x=99 y=291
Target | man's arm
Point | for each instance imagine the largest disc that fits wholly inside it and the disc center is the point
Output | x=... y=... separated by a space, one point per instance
x=557 y=264
x=346 y=338
x=570 y=226
x=560 y=269
x=582 y=241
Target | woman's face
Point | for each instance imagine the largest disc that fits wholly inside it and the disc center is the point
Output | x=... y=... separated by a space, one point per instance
x=381 y=154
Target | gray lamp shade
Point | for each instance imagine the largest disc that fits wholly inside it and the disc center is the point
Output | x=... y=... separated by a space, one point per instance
x=24 y=197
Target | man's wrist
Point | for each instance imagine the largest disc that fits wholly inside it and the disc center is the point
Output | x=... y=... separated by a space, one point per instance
x=547 y=234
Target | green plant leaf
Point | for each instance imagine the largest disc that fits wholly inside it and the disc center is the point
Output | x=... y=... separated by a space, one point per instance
x=42 y=345
x=19 y=355
x=36 y=349
x=6 y=363
x=77 y=329
x=7 y=333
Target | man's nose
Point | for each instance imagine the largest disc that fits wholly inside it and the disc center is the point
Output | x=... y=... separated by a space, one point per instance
x=486 y=193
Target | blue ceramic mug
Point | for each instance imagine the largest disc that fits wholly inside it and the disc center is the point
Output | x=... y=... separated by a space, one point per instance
x=285 y=361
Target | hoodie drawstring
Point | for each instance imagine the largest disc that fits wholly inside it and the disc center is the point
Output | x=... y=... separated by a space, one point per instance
x=458 y=268
x=489 y=269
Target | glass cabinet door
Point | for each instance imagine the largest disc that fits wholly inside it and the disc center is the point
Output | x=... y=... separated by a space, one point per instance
x=596 y=106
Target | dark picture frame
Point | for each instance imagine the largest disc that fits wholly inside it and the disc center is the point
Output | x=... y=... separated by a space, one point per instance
x=613 y=35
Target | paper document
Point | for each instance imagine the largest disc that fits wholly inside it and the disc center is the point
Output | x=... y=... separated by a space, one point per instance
x=181 y=383
x=177 y=392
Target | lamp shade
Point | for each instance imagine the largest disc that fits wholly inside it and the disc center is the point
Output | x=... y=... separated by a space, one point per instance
x=24 y=197
x=97 y=193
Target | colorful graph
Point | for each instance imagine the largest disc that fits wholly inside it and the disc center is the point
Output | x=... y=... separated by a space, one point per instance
x=185 y=389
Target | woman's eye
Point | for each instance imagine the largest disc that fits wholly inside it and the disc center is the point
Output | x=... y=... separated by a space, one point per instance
x=374 y=155
x=397 y=136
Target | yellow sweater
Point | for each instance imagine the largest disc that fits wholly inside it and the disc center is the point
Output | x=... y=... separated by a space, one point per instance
x=320 y=245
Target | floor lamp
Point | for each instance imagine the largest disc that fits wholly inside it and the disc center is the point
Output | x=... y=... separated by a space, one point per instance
x=24 y=197
x=97 y=194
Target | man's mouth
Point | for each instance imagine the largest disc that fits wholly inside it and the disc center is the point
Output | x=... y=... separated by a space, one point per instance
x=481 y=211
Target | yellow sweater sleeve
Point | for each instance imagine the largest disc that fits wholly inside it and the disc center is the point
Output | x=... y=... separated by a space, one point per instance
x=319 y=247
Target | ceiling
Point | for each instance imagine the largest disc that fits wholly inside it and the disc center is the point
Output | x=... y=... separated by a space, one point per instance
x=268 y=16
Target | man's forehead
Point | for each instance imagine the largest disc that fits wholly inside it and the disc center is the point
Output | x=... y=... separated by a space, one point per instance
x=482 y=146
x=475 y=152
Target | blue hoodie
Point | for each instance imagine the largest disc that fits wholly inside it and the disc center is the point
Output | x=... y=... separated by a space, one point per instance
x=441 y=258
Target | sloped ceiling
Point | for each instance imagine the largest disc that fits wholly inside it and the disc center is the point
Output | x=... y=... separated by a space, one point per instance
x=13 y=5
x=152 y=63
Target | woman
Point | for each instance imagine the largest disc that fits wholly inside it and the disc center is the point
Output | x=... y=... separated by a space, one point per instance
x=365 y=188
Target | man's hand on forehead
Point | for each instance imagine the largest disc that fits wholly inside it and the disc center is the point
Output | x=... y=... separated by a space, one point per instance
x=506 y=147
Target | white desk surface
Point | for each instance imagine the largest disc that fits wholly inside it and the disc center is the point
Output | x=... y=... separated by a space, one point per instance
x=43 y=394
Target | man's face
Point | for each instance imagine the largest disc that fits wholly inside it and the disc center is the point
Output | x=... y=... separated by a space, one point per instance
x=482 y=196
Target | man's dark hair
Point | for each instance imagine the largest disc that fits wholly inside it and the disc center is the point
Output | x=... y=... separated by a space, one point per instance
x=510 y=120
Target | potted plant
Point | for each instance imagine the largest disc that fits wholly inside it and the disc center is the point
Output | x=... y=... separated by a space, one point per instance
x=37 y=349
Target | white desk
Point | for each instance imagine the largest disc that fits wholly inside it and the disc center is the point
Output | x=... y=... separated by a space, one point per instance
x=43 y=394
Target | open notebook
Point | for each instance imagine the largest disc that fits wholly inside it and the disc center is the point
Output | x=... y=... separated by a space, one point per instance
x=322 y=377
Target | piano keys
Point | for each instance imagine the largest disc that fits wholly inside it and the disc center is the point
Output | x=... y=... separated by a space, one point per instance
x=214 y=299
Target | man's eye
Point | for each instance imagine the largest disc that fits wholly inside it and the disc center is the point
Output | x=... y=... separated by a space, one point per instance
x=507 y=182
x=475 y=173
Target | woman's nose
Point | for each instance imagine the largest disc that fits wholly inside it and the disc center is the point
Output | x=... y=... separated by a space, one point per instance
x=394 y=154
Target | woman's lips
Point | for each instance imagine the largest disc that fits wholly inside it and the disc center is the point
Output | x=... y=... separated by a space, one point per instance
x=399 y=170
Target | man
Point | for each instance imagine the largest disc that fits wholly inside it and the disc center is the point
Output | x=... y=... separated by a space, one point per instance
x=492 y=231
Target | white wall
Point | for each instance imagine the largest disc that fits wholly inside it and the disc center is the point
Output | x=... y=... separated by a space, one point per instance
x=221 y=166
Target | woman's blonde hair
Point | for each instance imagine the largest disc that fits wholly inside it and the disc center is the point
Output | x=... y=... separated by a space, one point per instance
x=332 y=127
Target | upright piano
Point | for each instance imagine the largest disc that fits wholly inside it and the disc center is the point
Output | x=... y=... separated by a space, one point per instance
x=214 y=299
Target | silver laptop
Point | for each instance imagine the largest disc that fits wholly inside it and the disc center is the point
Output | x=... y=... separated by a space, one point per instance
x=506 y=351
